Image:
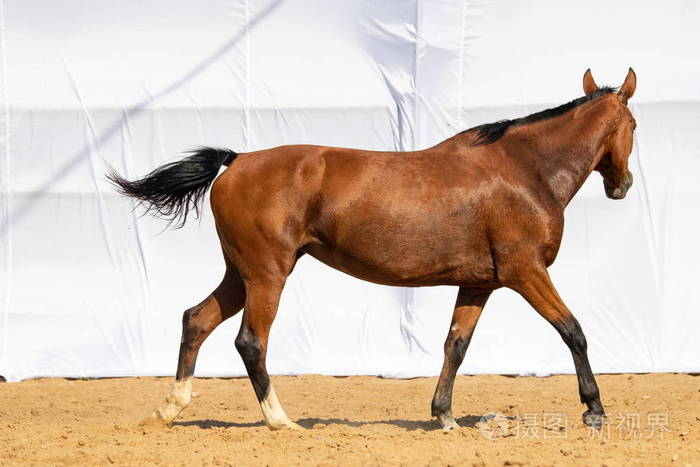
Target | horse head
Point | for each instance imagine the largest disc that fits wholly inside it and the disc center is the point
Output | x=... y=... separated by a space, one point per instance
x=617 y=148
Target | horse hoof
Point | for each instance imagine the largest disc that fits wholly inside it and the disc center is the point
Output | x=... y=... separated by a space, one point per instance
x=155 y=422
x=594 y=420
x=448 y=424
x=295 y=426
x=287 y=426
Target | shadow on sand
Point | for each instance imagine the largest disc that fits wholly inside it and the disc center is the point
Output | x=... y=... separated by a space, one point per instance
x=468 y=421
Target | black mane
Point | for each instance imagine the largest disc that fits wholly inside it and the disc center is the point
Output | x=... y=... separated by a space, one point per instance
x=491 y=132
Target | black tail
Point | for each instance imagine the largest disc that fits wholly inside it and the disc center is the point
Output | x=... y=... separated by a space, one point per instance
x=171 y=190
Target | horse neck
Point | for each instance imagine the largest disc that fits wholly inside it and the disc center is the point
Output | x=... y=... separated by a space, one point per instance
x=568 y=148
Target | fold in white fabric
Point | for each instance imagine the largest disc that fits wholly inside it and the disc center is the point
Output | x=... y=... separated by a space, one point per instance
x=88 y=288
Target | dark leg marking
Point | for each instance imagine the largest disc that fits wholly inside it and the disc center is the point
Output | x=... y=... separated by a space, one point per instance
x=253 y=357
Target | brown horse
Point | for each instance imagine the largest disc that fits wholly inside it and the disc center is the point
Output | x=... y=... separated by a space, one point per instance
x=481 y=210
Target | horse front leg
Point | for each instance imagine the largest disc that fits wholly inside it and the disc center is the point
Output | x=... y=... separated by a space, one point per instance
x=536 y=287
x=466 y=314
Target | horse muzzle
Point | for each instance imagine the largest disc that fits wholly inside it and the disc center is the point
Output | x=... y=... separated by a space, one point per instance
x=620 y=191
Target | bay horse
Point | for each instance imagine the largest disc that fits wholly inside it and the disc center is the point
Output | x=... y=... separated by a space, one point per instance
x=481 y=210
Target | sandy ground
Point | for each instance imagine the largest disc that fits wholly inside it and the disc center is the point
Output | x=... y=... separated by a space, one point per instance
x=652 y=419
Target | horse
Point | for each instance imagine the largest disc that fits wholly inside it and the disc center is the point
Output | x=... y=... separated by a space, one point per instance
x=481 y=210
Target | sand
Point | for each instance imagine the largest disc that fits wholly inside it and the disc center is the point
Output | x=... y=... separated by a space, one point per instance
x=358 y=420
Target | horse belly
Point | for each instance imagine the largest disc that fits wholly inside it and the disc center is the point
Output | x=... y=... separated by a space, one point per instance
x=409 y=256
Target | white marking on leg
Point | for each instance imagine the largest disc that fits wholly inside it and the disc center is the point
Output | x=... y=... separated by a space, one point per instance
x=274 y=415
x=176 y=401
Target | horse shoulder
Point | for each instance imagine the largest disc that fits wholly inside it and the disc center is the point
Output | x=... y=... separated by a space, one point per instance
x=525 y=231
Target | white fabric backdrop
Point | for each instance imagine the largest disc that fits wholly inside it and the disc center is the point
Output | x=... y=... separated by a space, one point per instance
x=87 y=288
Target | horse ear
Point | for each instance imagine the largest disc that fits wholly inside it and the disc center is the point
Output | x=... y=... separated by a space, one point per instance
x=628 y=87
x=589 y=86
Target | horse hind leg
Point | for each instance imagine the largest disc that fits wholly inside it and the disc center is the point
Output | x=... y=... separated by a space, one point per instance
x=262 y=300
x=197 y=323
